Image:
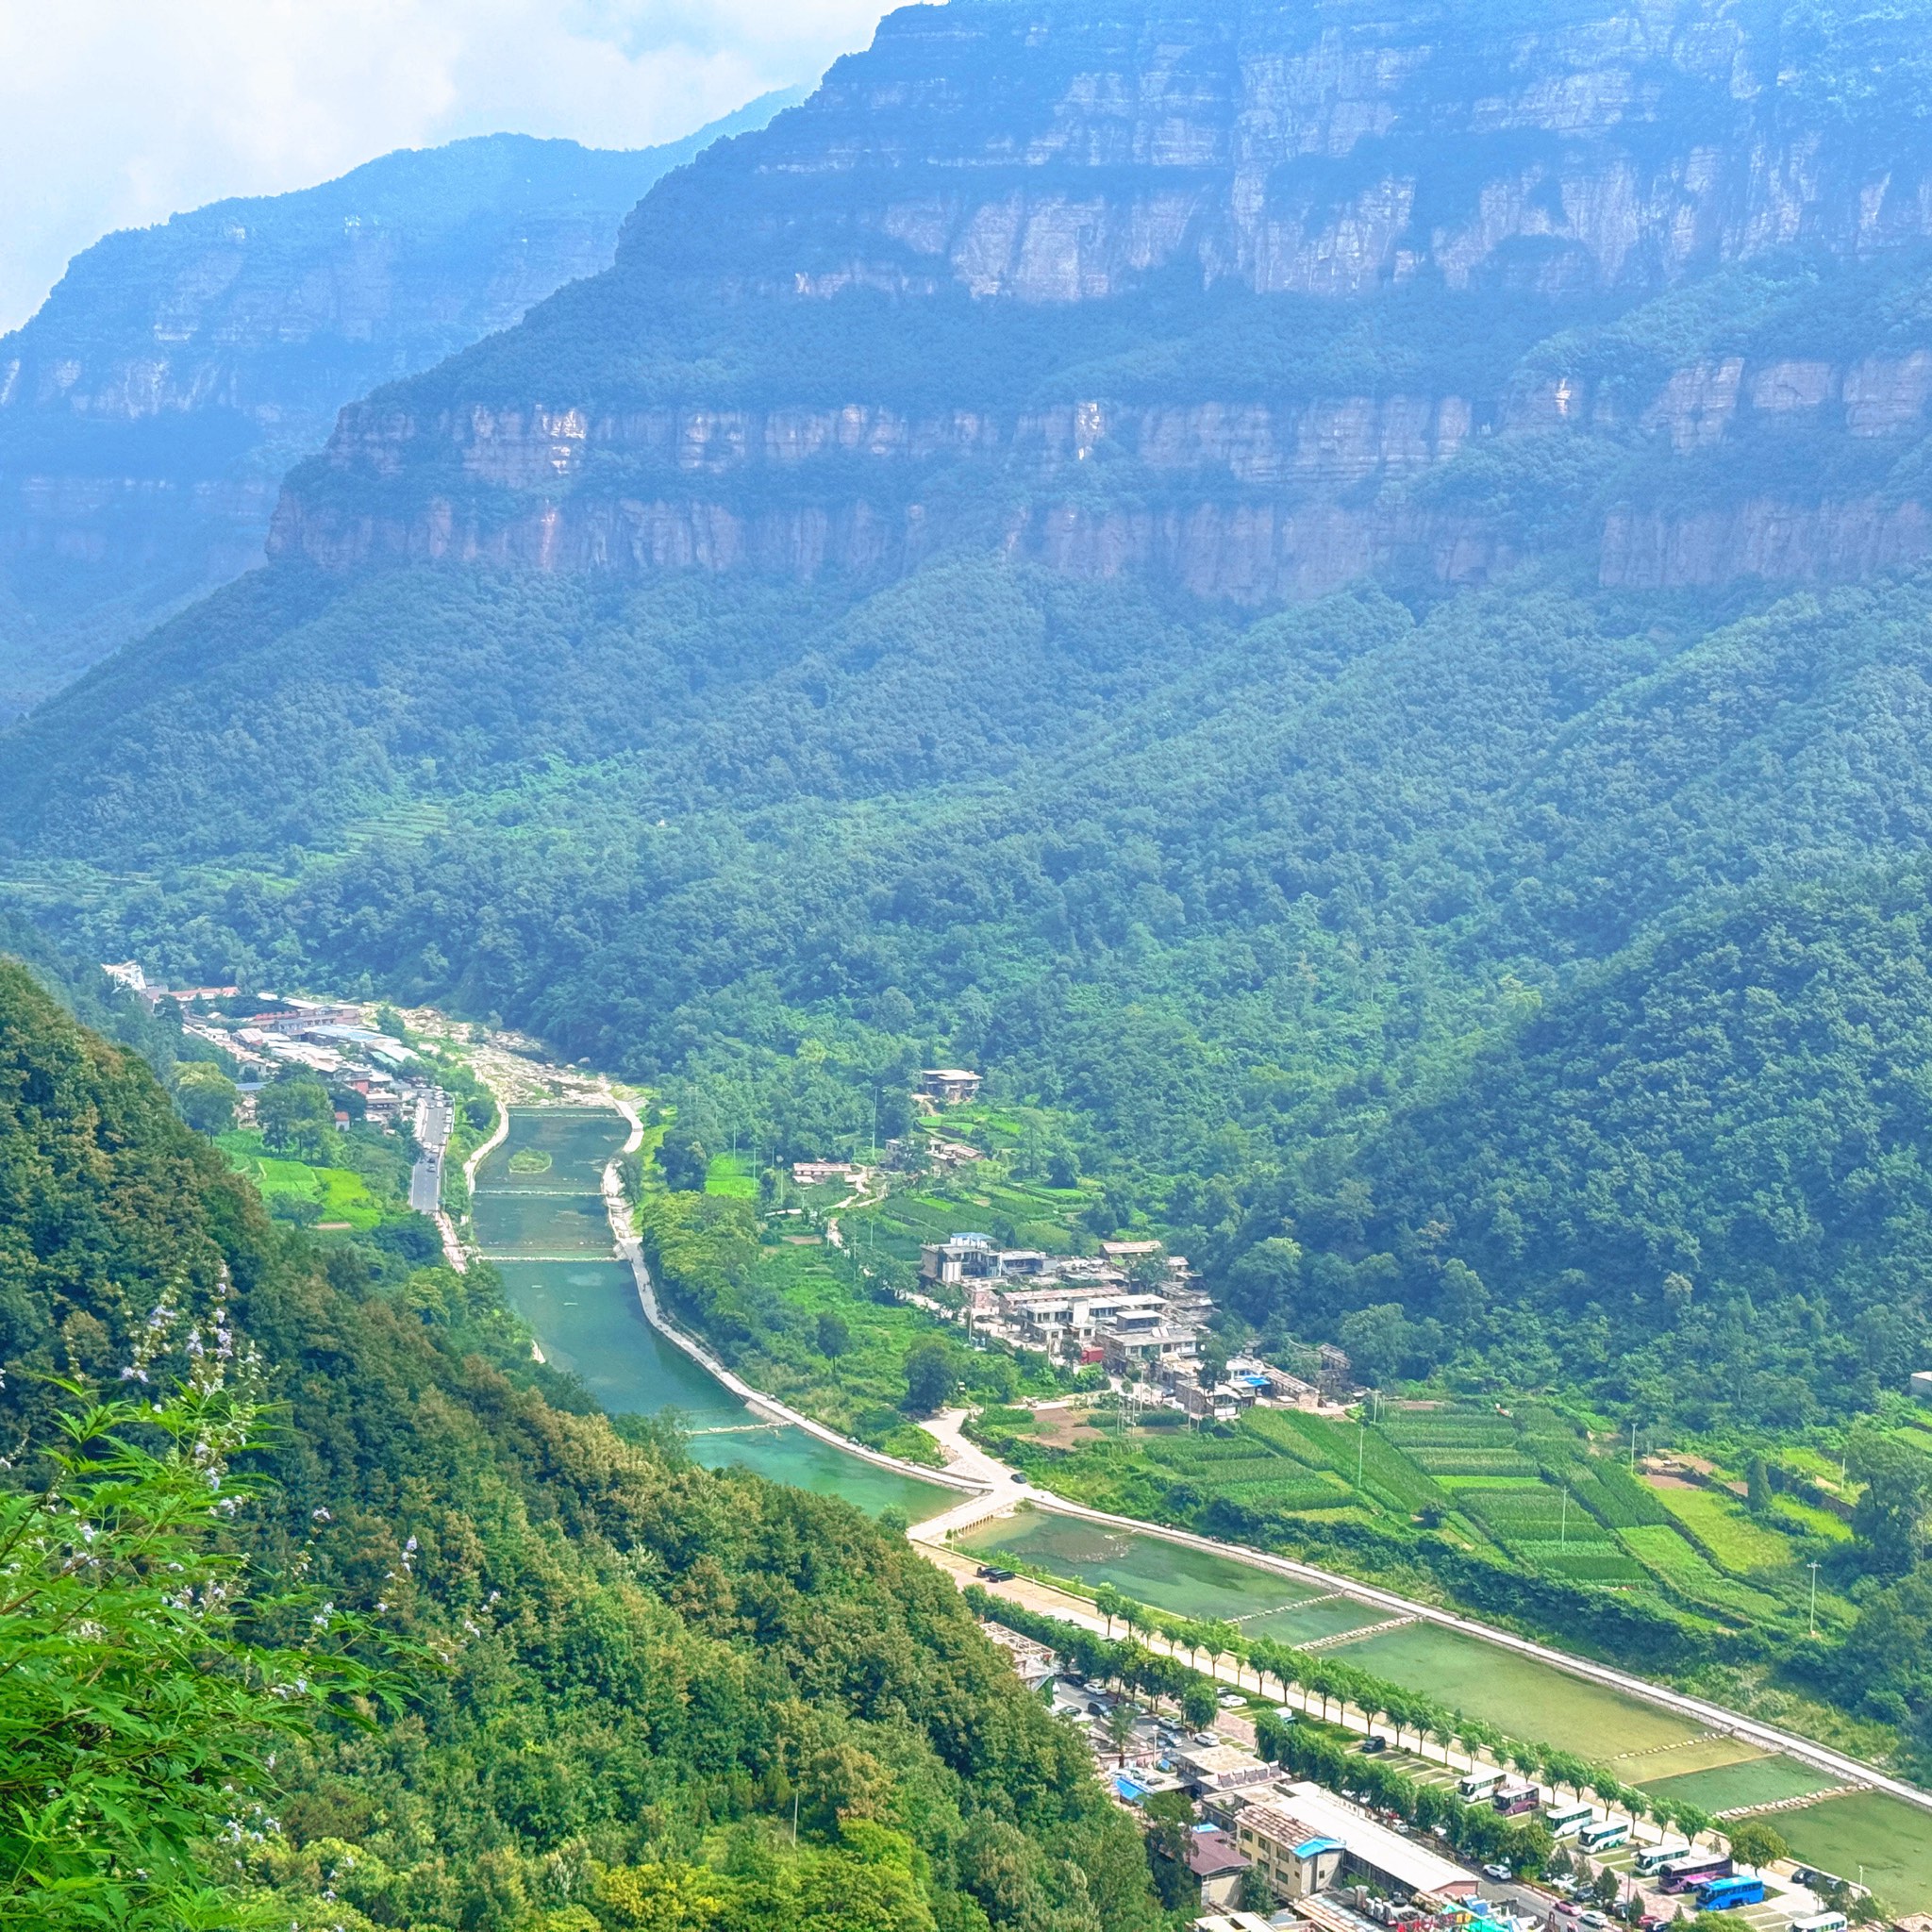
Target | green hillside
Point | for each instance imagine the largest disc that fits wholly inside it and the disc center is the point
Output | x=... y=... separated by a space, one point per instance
x=1356 y=904
x=646 y=1662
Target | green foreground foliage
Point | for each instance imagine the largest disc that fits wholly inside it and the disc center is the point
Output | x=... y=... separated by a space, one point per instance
x=138 y=1717
x=636 y=1672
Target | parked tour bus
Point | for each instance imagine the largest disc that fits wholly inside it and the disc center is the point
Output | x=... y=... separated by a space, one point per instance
x=1819 y=1922
x=1603 y=1834
x=1513 y=1801
x=1722 y=1894
x=1693 y=1870
x=1566 y=1821
x=1478 y=1784
x=1652 y=1858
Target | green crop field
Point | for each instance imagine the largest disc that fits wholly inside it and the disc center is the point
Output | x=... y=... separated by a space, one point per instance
x=1584 y=1562
x=1721 y=1525
x=336 y=1194
x=1477 y=1462
x=1527 y=1514
x=1450 y=1430
x=1692 y=1575
x=729 y=1174
x=1292 y=1492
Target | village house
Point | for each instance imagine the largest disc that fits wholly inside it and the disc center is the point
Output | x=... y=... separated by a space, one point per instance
x=949 y=1086
x=1304 y=1837
x=812 y=1174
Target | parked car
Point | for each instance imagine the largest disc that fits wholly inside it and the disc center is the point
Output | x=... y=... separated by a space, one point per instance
x=1595 y=1921
x=1206 y=1738
x=1374 y=1747
x=1501 y=1874
x=1228 y=1700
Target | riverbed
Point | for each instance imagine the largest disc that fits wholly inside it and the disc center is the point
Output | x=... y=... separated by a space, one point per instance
x=540 y=1220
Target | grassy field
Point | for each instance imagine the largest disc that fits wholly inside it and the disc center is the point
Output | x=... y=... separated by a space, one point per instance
x=730 y=1175
x=334 y=1194
x=1721 y=1525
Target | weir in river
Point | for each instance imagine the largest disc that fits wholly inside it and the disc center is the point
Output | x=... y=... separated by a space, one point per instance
x=540 y=1219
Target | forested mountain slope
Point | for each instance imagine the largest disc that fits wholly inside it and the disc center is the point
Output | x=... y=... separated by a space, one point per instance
x=749 y=665
x=149 y=408
x=647 y=1661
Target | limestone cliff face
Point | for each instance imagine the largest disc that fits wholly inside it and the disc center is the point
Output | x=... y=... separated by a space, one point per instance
x=1064 y=153
x=1278 y=531
x=1150 y=166
x=149 y=410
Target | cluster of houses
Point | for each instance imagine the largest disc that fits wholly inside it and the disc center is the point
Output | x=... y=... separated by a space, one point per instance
x=268 y=1035
x=1141 y=1315
x=1307 y=1845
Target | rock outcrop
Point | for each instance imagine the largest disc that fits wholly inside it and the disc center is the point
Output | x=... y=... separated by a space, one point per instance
x=149 y=410
x=1111 y=209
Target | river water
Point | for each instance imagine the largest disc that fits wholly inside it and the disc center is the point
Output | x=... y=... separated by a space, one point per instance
x=539 y=1218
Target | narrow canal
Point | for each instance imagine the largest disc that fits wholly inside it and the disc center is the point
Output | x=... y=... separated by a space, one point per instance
x=539 y=1218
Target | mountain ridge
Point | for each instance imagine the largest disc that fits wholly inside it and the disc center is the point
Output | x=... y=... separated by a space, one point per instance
x=149 y=407
x=1575 y=258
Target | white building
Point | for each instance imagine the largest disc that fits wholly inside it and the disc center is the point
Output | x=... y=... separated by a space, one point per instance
x=1289 y=1827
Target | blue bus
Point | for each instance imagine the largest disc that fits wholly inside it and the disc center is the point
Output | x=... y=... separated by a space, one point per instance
x=1721 y=1895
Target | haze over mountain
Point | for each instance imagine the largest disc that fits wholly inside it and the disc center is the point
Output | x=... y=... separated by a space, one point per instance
x=1291 y=579
x=149 y=408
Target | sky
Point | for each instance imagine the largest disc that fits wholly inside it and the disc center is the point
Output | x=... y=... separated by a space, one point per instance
x=118 y=113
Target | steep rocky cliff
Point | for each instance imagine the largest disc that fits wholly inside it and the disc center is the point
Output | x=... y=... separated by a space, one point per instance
x=148 y=411
x=1256 y=298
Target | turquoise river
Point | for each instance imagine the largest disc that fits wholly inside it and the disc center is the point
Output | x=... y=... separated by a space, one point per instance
x=539 y=1218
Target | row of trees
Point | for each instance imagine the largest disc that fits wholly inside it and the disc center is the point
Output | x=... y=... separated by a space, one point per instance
x=1411 y=1719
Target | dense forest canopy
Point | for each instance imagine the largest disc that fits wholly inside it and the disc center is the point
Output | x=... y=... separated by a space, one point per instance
x=1563 y=934
x=643 y=1663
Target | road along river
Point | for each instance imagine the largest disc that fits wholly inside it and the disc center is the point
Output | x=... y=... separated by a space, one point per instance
x=542 y=1218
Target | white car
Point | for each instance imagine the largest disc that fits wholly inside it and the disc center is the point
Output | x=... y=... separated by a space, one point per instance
x=1501 y=1874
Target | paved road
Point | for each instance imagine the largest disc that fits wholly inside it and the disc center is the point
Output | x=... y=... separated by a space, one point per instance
x=1711 y=1716
x=435 y=1122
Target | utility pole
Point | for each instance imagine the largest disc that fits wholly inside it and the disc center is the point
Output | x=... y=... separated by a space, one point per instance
x=1633 y=1446
x=1814 y=1599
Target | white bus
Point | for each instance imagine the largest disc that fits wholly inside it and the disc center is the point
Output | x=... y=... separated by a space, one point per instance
x=1603 y=1834
x=1566 y=1821
x=1652 y=1858
x=1820 y=1922
x=1479 y=1784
